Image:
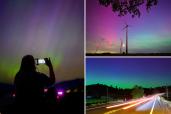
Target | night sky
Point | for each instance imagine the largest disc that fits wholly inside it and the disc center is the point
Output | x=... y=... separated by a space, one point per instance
x=127 y=72
x=43 y=28
x=151 y=33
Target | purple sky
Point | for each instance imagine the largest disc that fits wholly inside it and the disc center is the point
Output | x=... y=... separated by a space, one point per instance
x=43 y=28
x=151 y=33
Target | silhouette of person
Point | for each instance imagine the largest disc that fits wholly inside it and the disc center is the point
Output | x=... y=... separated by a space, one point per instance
x=30 y=85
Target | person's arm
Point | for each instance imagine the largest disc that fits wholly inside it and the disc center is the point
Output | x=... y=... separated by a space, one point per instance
x=51 y=72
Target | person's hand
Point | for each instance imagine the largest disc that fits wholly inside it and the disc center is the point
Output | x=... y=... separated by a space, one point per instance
x=48 y=62
x=51 y=72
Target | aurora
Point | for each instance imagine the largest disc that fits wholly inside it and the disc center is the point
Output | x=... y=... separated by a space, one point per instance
x=151 y=33
x=128 y=72
x=43 y=29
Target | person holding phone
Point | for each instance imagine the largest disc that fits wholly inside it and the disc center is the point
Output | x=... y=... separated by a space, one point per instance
x=30 y=85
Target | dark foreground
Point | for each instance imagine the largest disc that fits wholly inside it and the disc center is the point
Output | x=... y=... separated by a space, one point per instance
x=72 y=100
x=150 y=105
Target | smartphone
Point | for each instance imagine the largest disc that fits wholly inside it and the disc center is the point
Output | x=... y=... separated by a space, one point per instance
x=40 y=61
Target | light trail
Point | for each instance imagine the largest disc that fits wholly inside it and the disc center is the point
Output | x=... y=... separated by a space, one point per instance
x=151 y=112
x=114 y=106
x=123 y=104
x=131 y=102
x=134 y=104
x=142 y=101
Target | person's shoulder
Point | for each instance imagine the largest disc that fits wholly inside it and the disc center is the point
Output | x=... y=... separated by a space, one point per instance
x=42 y=75
x=18 y=75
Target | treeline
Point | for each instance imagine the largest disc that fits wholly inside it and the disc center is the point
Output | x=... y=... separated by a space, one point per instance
x=116 y=93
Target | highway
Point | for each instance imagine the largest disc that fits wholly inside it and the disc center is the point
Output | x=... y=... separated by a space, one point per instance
x=155 y=104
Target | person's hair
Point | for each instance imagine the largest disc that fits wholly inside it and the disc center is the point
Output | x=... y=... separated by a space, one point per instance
x=27 y=64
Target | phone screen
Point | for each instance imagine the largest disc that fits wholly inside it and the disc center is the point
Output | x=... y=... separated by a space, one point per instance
x=41 y=61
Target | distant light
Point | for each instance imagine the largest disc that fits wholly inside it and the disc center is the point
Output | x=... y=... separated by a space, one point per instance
x=45 y=90
x=13 y=94
x=60 y=93
x=68 y=91
x=57 y=97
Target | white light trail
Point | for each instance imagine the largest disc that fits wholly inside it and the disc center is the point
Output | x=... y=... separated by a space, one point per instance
x=123 y=104
x=130 y=102
x=151 y=112
x=142 y=101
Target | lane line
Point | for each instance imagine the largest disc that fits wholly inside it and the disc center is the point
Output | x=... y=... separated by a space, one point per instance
x=151 y=112
x=95 y=108
x=112 y=111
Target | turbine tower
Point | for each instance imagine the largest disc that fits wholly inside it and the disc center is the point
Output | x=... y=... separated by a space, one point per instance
x=126 y=28
x=121 y=46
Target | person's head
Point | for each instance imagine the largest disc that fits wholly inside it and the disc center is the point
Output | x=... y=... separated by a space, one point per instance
x=27 y=64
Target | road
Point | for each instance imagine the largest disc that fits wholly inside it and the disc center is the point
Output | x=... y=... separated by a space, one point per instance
x=149 y=105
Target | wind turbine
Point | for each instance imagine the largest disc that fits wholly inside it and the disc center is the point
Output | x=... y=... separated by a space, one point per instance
x=121 y=45
x=126 y=28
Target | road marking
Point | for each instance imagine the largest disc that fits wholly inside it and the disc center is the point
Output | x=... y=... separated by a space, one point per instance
x=95 y=108
x=151 y=112
x=112 y=111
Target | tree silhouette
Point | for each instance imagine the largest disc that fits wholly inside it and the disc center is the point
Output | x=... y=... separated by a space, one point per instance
x=137 y=92
x=123 y=7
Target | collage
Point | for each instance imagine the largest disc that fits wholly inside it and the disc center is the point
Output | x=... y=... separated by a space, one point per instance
x=85 y=57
